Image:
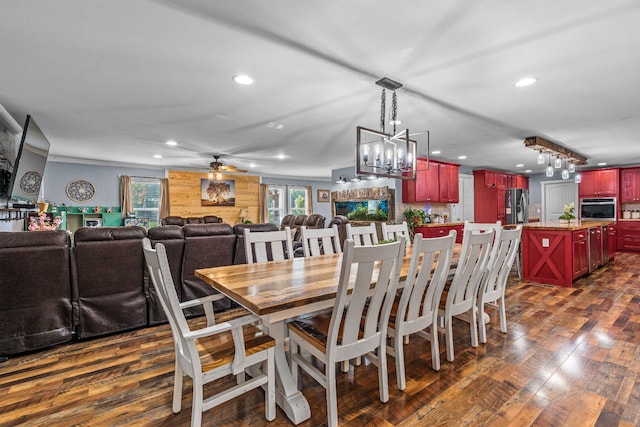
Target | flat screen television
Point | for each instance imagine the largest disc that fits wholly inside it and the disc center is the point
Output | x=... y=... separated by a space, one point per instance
x=28 y=169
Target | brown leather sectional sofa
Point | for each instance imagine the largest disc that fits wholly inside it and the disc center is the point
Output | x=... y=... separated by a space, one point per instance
x=53 y=292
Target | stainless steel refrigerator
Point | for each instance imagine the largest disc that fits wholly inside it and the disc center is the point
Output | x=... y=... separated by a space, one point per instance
x=517 y=206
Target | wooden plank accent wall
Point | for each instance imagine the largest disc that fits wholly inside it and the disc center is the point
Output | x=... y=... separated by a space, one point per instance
x=184 y=196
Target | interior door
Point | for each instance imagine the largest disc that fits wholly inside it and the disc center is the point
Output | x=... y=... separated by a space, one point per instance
x=556 y=194
x=463 y=210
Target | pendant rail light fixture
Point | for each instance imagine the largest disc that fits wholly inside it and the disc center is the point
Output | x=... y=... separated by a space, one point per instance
x=544 y=146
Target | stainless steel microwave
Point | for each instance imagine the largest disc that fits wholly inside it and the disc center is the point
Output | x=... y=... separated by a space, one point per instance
x=598 y=209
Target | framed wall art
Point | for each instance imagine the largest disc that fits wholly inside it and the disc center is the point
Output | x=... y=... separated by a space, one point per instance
x=324 y=196
x=217 y=193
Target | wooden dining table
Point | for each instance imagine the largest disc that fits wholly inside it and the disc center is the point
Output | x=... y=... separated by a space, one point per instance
x=280 y=290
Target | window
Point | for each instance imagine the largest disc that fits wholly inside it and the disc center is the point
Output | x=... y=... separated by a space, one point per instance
x=145 y=199
x=286 y=199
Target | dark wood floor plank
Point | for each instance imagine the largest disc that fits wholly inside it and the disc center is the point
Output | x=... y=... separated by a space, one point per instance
x=571 y=356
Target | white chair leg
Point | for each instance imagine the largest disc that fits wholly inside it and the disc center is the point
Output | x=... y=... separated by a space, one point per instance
x=482 y=327
x=332 y=402
x=196 y=409
x=177 y=388
x=448 y=336
x=399 y=350
x=503 y=316
x=383 y=377
x=473 y=325
x=345 y=365
x=270 y=394
x=435 y=348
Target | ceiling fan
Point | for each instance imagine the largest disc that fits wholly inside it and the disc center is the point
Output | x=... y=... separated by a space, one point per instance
x=216 y=167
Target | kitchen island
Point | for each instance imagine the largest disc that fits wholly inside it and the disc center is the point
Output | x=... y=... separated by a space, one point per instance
x=557 y=253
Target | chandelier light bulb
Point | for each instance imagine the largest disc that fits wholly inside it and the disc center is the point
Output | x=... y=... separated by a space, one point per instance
x=540 y=159
x=565 y=173
x=558 y=163
x=578 y=178
x=210 y=175
x=572 y=167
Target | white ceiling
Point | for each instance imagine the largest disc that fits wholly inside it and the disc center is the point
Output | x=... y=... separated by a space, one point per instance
x=112 y=80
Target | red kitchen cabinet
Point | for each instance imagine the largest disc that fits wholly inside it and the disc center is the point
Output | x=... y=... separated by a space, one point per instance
x=580 y=253
x=448 y=176
x=438 y=184
x=629 y=235
x=630 y=185
x=521 y=181
x=599 y=183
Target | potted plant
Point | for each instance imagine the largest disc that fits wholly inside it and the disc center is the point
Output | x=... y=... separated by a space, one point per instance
x=413 y=218
x=568 y=214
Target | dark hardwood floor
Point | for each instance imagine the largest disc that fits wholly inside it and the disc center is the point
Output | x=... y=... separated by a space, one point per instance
x=570 y=357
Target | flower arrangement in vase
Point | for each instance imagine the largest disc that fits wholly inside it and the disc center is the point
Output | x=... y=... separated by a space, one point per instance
x=568 y=214
x=42 y=223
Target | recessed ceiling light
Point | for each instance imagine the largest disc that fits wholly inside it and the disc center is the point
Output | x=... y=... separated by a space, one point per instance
x=243 y=79
x=602 y=164
x=281 y=156
x=526 y=81
x=519 y=165
x=252 y=165
x=157 y=156
x=435 y=152
x=171 y=142
x=528 y=171
x=462 y=157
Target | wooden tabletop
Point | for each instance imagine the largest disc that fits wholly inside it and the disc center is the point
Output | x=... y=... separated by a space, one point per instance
x=269 y=287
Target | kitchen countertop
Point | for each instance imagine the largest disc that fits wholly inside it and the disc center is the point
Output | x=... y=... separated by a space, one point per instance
x=556 y=225
x=440 y=224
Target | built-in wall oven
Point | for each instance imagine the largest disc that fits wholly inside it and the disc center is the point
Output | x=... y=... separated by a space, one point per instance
x=598 y=209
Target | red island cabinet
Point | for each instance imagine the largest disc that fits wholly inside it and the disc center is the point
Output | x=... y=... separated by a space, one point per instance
x=559 y=254
x=441 y=230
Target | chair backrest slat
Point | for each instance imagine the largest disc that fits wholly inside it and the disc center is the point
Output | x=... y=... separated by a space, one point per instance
x=371 y=273
x=365 y=235
x=426 y=277
x=258 y=245
x=395 y=231
x=320 y=241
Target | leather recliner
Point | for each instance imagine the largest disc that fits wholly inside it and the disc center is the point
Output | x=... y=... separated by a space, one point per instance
x=172 y=237
x=205 y=245
x=35 y=284
x=315 y=221
x=110 y=287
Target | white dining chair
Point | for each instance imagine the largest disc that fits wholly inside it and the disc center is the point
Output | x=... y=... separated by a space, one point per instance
x=417 y=309
x=460 y=297
x=356 y=326
x=365 y=235
x=320 y=241
x=213 y=352
x=263 y=246
x=477 y=227
x=395 y=231
x=494 y=282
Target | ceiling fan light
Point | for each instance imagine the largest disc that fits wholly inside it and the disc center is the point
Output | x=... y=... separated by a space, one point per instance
x=210 y=175
x=218 y=176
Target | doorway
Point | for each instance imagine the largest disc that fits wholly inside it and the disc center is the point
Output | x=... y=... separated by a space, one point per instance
x=556 y=194
x=463 y=210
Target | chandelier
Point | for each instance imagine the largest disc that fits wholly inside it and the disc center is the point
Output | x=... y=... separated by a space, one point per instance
x=389 y=155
